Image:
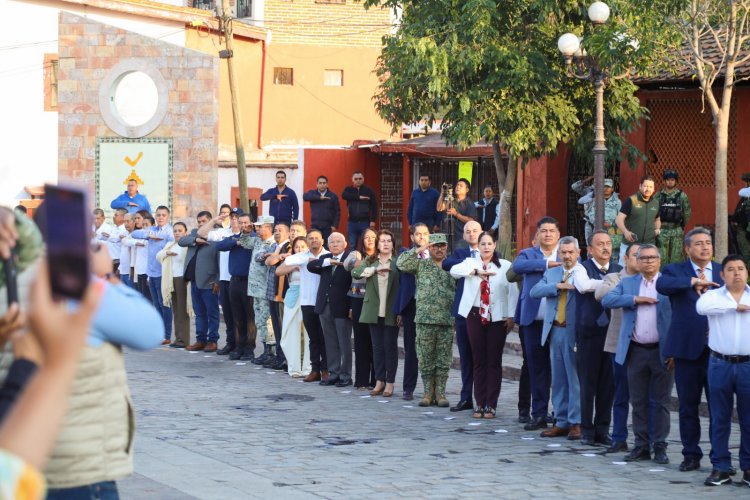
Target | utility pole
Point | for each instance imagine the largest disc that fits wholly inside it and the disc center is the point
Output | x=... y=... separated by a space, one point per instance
x=228 y=54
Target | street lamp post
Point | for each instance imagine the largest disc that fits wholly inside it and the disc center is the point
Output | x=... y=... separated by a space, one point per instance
x=584 y=67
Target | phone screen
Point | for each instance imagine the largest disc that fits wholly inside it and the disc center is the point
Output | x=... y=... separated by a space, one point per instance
x=68 y=240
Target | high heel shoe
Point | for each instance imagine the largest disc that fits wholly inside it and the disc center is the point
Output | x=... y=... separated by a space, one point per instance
x=376 y=391
x=388 y=392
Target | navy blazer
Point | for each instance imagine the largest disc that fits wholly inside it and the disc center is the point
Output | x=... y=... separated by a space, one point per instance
x=458 y=256
x=407 y=289
x=688 y=333
x=591 y=317
x=623 y=296
x=333 y=287
x=532 y=265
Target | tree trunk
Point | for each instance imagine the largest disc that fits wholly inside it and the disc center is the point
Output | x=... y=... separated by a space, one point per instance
x=721 y=246
x=506 y=181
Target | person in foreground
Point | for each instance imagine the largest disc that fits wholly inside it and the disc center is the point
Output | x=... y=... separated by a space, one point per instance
x=728 y=312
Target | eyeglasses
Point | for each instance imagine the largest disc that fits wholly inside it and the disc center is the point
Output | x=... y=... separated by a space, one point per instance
x=648 y=257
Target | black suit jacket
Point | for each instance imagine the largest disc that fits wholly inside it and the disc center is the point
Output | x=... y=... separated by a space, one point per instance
x=591 y=317
x=333 y=287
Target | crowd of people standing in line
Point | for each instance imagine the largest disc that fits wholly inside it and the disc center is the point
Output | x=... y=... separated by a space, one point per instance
x=597 y=335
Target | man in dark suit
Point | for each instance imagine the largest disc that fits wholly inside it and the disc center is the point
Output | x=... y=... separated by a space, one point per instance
x=595 y=373
x=405 y=309
x=532 y=263
x=325 y=210
x=332 y=304
x=684 y=283
x=202 y=271
x=472 y=230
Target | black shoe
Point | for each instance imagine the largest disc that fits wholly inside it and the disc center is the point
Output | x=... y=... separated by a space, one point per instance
x=637 y=454
x=617 y=446
x=746 y=477
x=536 y=423
x=270 y=361
x=344 y=382
x=660 y=453
x=225 y=350
x=523 y=418
x=463 y=405
x=329 y=381
x=587 y=441
x=690 y=463
x=280 y=364
x=718 y=478
x=551 y=418
x=235 y=355
x=247 y=354
x=603 y=440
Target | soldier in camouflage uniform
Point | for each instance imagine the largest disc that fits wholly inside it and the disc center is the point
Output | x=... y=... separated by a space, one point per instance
x=257 y=282
x=741 y=219
x=612 y=206
x=674 y=212
x=435 y=291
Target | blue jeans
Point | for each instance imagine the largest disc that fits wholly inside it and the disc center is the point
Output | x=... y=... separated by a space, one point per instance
x=106 y=490
x=354 y=231
x=125 y=278
x=566 y=391
x=726 y=379
x=206 y=307
x=154 y=286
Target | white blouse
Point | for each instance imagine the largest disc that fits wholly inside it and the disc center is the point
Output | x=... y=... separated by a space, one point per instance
x=503 y=294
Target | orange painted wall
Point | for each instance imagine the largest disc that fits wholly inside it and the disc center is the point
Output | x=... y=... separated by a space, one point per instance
x=309 y=112
x=339 y=165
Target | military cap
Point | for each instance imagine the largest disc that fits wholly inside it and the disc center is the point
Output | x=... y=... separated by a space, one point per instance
x=438 y=239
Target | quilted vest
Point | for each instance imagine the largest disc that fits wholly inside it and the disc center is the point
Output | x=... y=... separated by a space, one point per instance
x=96 y=439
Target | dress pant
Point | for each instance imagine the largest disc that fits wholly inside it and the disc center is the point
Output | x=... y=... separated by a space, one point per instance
x=206 y=308
x=467 y=364
x=154 y=285
x=524 y=383
x=142 y=286
x=384 y=351
x=726 y=379
x=596 y=380
x=621 y=402
x=244 y=315
x=337 y=333
x=537 y=355
x=226 y=309
x=487 y=343
x=276 y=322
x=411 y=364
x=180 y=313
x=566 y=390
x=354 y=232
x=364 y=369
x=125 y=278
x=317 y=343
x=691 y=380
x=647 y=376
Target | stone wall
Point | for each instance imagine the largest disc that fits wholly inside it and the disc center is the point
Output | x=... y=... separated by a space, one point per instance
x=88 y=50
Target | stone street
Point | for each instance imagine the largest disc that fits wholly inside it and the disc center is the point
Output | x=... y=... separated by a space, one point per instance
x=218 y=429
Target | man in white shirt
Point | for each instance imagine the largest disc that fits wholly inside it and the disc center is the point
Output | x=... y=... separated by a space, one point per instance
x=105 y=233
x=126 y=251
x=728 y=312
x=308 y=289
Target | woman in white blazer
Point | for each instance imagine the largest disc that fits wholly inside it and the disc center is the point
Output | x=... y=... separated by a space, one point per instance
x=488 y=303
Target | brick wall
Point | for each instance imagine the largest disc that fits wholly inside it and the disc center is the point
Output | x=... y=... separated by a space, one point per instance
x=391 y=186
x=87 y=50
x=326 y=22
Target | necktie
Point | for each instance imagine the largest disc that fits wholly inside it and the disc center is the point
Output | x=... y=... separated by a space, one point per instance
x=484 y=300
x=334 y=259
x=603 y=270
x=701 y=273
x=562 y=301
x=474 y=254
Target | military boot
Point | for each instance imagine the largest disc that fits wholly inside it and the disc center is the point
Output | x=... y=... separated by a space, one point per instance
x=429 y=391
x=440 y=382
x=263 y=357
x=271 y=360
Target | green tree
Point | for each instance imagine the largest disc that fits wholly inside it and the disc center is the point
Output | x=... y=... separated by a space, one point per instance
x=722 y=28
x=491 y=70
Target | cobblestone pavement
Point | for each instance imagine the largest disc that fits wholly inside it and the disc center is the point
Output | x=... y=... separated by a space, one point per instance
x=218 y=429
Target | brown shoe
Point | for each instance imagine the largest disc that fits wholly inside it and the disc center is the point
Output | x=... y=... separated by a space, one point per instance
x=574 y=432
x=210 y=347
x=312 y=377
x=198 y=346
x=166 y=342
x=555 y=431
